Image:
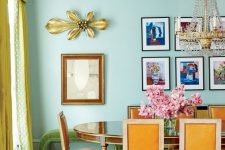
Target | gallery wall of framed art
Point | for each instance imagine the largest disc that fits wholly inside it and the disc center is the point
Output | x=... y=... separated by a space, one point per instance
x=189 y=70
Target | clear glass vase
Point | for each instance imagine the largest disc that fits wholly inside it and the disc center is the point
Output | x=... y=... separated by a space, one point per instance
x=170 y=126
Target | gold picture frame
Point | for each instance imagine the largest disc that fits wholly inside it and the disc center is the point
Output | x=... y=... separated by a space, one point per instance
x=82 y=78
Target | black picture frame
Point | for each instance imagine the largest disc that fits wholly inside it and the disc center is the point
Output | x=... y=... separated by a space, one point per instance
x=166 y=37
x=200 y=68
x=165 y=74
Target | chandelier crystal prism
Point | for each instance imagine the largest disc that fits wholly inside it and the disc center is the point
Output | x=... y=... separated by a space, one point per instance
x=205 y=35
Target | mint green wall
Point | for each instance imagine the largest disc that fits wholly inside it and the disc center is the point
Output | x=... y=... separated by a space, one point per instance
x=121 y=44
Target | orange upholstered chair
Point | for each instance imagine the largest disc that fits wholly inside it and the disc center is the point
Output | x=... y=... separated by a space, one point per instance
x=218 y=111
x=182 y=116
x=200 y=134
x=64 y=136
x=133 y=112
x=143 y=134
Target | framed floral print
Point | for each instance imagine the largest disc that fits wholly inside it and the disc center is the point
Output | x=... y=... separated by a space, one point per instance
x=217 y=73
x=155 y=70
x=82 y=78
x=155 y=33
x=190 y=72
x=184 y=23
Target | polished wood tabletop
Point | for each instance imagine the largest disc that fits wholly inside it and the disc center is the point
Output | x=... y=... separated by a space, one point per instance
x=110 y=132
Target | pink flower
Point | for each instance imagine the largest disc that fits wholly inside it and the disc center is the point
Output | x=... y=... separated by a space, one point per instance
x=167 y=106
x=196 y=99
x=145 y=111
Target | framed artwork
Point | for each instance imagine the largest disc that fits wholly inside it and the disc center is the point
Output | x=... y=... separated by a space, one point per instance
x=82 y=78
x=155 y=33
x=184 y=23
x=155 y=70
x=190 y=72
x=217 y=73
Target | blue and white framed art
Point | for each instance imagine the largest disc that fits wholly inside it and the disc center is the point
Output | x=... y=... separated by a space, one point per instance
x=155 y=33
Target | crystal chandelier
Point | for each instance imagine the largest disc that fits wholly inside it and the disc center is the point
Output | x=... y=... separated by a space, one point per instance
x=205 y=35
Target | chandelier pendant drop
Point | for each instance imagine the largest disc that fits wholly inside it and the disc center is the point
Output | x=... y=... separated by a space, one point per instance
x=205 y=35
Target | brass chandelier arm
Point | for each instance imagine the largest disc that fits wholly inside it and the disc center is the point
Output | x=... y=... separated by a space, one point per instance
x=201 y=35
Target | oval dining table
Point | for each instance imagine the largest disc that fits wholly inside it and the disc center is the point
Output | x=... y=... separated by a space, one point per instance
x=111 y=132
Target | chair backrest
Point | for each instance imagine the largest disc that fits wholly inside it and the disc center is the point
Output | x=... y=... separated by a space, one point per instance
x=143 y=134
x=200 y=134
x=201 y=112
x=64 y=136
x=133 y=112
x=217 y=112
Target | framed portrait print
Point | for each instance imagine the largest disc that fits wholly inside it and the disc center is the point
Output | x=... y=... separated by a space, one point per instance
x=190 y=72
x=155 y=70
x=184 y=23
x=217 y=73
x=155 y=33
x=82 y=78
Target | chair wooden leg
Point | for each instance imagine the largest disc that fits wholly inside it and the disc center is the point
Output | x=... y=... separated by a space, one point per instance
x=104 y=147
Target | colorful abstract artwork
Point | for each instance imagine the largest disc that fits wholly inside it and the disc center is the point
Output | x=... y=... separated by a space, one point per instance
x=190 y=72
x=155 y=71
x=217 y=72
x=155 y=34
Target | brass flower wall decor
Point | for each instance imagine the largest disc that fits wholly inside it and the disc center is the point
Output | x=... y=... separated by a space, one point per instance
x=76 y=25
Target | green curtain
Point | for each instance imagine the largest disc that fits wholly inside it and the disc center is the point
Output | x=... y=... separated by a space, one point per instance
x=22 y=79
x=5 y=81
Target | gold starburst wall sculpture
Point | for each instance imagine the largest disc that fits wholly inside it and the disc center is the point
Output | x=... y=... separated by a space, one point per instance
x=76 y=25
